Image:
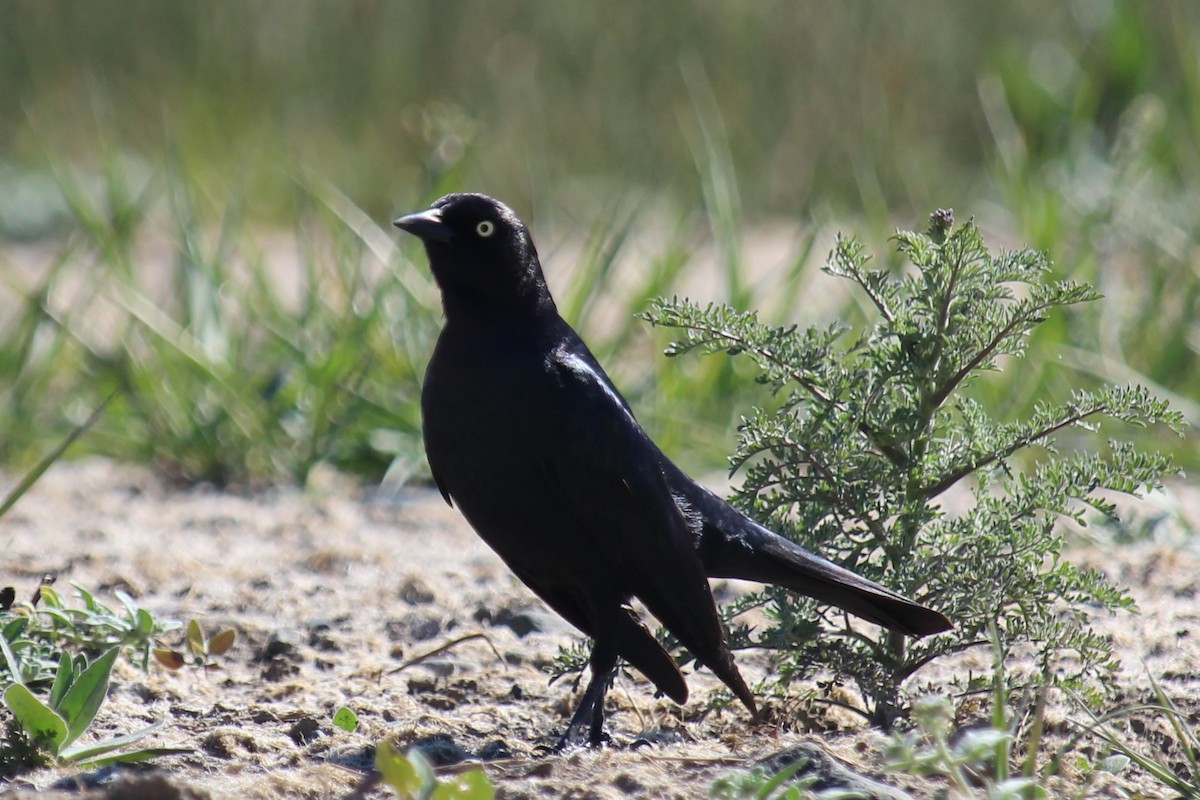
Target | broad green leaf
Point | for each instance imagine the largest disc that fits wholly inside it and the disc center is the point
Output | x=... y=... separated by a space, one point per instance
x=89 y=600
x=15 y=628
x=410 y=776
x=976 y=745
x=39 y=720
x=63 y=679
x=50 y=598
x=473 y=785
x=57 y=613
x=86 y=695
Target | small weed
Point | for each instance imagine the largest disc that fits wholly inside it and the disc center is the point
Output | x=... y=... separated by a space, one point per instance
x=52 y=695
x=35 y=632
x=345 y=719
x=199 y=648
x=872 y=429
x=1182 y=779
x=759 y=784
x=45 y=731
x=973 y=764
x=412 y=778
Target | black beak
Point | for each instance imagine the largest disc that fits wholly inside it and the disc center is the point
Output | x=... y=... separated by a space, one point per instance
x=426 y=225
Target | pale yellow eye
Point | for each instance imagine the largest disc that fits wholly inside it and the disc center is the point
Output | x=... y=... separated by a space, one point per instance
x=485 y=228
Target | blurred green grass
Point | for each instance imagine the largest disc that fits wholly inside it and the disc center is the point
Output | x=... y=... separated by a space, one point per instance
x=195 y=197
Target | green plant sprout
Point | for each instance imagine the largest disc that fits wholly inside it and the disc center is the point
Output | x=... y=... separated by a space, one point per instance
x=759 y=784
x=412 y=778
x=200 y=649
x=35 y=632
x=345 y=719
x=49 y=729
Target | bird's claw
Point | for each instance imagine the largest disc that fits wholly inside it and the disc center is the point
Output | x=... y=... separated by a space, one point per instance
x=574 y=740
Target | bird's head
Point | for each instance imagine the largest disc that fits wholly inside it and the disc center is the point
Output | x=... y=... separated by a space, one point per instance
x=481 y=256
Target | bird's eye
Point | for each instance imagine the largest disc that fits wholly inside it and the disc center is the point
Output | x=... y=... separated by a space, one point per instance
x=485 y=228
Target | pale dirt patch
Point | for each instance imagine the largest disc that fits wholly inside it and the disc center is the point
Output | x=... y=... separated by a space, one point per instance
x=332 y=589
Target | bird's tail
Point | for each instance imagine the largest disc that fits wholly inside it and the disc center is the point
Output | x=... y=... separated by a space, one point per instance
x=783 y=563
x=734 y=546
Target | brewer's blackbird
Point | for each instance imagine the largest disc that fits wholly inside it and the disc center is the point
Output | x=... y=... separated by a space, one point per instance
x=527 y=435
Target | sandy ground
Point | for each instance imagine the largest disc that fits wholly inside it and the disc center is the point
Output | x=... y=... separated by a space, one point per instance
x=332 y=589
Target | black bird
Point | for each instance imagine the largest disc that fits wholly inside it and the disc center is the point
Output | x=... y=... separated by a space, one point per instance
x=526 y=434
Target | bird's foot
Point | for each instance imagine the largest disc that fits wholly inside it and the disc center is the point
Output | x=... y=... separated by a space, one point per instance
x=575 y=739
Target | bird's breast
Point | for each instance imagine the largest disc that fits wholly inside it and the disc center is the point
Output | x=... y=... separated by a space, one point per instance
x=491 y=416
x=485 y=410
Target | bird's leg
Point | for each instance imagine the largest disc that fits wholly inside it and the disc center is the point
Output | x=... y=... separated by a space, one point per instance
x=589 y=714
x=596 y=734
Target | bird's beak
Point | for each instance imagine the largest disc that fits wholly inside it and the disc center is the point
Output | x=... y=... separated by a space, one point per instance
x=427 y=225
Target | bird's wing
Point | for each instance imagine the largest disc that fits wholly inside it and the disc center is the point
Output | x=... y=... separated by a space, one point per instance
x=610 y=474
x=441 y=487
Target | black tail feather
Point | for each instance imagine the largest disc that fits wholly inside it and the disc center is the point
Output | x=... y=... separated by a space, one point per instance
x=783 y=563
x=731 y=545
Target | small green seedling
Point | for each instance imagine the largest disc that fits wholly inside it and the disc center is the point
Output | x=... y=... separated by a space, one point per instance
x=35 y=632
x=77 y=693
x=200 y=649
x=412 y=778
x=759 y=784
x=346 y=719
x=964 y=763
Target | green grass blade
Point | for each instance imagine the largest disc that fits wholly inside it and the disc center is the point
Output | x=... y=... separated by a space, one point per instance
x=722 y=198
x=31 y=477
x=605 y=241
x=782 y=777
x=133 y=757
x=92 y=751
x=1184 y=737
x=416 y=284
x=1158 y=770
